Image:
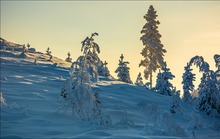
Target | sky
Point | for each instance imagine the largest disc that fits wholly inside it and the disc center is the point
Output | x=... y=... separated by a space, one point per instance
x=187 y=28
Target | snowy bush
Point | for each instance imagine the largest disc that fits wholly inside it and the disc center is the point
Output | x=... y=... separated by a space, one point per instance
x=216 y=125
x=125 y=122
x=152 y=113
x=170 y=127
x=2 y=100
x=32 y=50
x=175 y=103
x=12 y=49
x=196 y=121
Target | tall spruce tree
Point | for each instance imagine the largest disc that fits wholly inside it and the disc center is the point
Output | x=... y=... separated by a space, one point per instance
x=139 y=80
x=153 y=51
x=123 y=70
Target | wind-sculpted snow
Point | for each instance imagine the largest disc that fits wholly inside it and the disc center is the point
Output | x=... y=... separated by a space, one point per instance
x=31 y=94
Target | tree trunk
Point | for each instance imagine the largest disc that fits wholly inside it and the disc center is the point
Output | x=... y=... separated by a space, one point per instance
x=151 y=80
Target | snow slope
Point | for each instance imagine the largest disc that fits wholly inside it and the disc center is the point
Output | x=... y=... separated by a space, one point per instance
x=32 y=94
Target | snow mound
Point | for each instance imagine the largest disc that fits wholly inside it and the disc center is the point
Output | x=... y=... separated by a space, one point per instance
x=32 y=91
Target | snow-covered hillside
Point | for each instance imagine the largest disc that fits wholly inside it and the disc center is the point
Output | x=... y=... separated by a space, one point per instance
x=32 y=106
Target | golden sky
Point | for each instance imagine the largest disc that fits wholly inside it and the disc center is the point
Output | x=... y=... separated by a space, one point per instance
x=187 y=29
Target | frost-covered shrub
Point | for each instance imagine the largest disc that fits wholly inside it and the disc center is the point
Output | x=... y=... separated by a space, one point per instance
x=32 y=50
x=175 y=103
x=125 y=122
x=196 y=121
x=216 y=125
x=153 y=114
x=170 y=127
x=2 y=100
x=4 y=48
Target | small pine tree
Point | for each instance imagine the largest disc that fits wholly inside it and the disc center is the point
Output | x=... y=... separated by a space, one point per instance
x=188 y=86
x=24 y=49
x=139 y=80
x=103 y=69
x=68 y=59
x=48 y=51
x=163 y=86
x=28 y=46
x=153 y=52
x=123 y=70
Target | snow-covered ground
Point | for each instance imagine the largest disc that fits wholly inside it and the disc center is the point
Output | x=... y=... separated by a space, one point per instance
x=32 y=96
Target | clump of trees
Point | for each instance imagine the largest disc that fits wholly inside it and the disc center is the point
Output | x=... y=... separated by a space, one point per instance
x=208 y=99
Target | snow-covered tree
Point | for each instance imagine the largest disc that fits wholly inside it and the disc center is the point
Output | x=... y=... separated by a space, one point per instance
x=68 y=59
x=153 y=51
x=103 y=69
x=91 y=50
x=48 y=51
x=217 y=64
x=2 y=100
x=24 y=49
x=209 y=95
x=188 y=86
x=77 y=93
x=123 y=70
x=139 y=80
x=175 y=102
x=163 y=86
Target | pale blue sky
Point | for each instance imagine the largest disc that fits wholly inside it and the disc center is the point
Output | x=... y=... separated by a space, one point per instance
x=187 y=29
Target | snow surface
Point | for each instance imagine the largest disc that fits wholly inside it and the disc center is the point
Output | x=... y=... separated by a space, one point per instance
x=32 y=94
